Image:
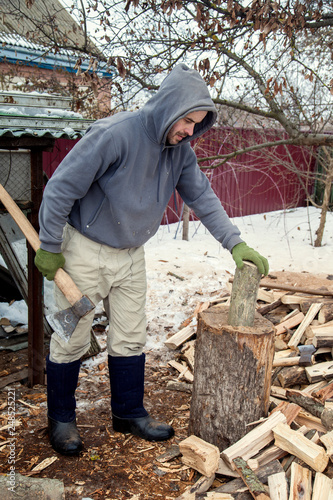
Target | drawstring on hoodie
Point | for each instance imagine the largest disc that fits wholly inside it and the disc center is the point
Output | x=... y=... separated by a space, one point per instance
x=159 y=179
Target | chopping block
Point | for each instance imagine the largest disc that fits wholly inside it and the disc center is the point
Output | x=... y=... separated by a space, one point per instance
x=232 y=365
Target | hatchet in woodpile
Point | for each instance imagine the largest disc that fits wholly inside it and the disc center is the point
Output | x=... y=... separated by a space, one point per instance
x=62 y=322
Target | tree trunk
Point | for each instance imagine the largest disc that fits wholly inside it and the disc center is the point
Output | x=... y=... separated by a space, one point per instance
x=328 y=179
x=232 y=377
x=186 y=221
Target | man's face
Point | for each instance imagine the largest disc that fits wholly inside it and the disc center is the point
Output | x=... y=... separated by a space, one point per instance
x=185 y=126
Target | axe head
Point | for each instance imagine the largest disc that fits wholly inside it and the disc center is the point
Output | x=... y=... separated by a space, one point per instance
x=64 y=322
x=306 y=354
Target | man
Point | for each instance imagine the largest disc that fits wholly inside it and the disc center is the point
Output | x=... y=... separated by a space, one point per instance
x=105 y=200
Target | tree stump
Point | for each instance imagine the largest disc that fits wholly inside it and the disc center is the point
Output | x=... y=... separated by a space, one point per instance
x=232 y=376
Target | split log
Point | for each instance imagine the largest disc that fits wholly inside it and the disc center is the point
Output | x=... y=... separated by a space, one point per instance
x=292 y=361
x=294 y=375
x=324 y=392
x=327 y=440
x=180 y=337
x=187 y=353
x=212 y=495
x=184 y=371
x=257 y=489
x=322 y=487
x=224 y=469
x=263 y=473
x=230 y=362
x=300 y=483
x=278 y=392
x=289 y=410
x=308 y=402
x=244 y=296
x=200 y=486
x=308 y=291
x=278 y=486
x=295 y=443
x=269 y=307
x=200 y=455
x=326 y=313
x=293 y=320
x=308 y=420
x=179 y=386
x=319 y=371
x=255 y=440
x=309 y=317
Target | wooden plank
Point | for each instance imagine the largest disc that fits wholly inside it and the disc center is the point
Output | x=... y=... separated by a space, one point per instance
x=309 y=317
x=255 y=440
x=296 y=444
x=278 y=486
x=300 y=483
x=256 y=488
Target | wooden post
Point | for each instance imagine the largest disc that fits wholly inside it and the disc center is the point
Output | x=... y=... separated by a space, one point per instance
x=232 y=374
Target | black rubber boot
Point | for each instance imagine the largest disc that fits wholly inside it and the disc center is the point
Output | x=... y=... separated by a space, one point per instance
x=128 y=412
x=61 y=384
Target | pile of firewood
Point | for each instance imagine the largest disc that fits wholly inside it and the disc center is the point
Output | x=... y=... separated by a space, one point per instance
x=288 y=454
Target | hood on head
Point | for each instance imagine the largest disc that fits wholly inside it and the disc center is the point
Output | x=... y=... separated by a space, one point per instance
x=181 y=92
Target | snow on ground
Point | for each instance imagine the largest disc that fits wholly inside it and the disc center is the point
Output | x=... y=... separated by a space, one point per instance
x=284 y=237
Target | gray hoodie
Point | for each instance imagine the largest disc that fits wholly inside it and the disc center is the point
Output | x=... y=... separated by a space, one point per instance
x=115 y=184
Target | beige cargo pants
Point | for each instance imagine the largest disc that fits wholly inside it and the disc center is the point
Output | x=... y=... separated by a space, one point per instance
x=116 y=276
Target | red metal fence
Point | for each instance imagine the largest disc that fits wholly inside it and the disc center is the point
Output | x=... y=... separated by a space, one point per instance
x=257 y=181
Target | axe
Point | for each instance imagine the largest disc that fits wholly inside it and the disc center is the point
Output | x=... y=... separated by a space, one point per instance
x=62 y=322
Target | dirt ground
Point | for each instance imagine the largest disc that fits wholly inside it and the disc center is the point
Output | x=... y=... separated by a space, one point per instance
x=112 y=466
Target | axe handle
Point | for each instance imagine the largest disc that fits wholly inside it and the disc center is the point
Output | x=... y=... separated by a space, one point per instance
x=63 y=281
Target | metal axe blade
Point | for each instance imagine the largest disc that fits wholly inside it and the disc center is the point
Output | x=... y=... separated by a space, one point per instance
x=64 y=322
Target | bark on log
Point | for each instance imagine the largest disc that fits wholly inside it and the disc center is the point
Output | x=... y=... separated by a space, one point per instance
x=244 y=296
x=232 y=379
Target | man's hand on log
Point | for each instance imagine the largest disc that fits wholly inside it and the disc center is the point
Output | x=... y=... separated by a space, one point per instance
x=242 y=252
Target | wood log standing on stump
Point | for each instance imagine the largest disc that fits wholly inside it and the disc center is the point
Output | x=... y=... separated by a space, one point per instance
x=233 y=365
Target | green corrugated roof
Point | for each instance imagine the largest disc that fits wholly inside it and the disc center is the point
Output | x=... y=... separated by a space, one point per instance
x=45 y=133
x=39 y=115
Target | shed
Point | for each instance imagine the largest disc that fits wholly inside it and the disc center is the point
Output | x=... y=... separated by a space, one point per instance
x=30 y=123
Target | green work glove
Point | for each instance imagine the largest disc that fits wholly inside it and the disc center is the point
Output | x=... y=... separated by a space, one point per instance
x=242 y=252
x=48 y=263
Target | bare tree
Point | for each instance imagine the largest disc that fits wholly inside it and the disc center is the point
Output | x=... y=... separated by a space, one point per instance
x=267 y=62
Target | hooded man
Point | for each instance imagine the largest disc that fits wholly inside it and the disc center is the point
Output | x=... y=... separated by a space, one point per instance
x=102 y=204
